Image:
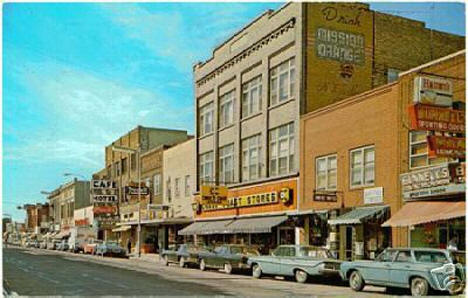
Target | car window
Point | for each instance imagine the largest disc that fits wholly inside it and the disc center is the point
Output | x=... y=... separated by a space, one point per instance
x=430 y=257
x=403 y=256
x=386 y=256
x=281 y=251
x=236 y=250
x=219 y=249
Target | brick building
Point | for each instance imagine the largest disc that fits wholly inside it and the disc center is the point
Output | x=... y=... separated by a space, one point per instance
x=37 y=217
x=250 y=94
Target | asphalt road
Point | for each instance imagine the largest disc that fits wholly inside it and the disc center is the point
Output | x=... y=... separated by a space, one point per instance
x=33 y=272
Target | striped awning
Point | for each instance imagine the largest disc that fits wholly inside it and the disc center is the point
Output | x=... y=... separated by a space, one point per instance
x=359 y=215
x=256 y=225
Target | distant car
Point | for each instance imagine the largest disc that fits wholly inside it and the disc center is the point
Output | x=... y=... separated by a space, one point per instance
x=62 y=245
x=52 y=244
x=300 y=261
x=78 y=247
x=43 y=245
x=228 y=257
x=110 y=248
x=31 y=243
x=419 y=269
x=184 y=254
x=90 y=247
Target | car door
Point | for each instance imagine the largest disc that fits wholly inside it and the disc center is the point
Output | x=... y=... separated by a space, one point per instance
x=288 y=261
x=271 y=264
x=401 y=268
x=378 y=272
x=213 y=258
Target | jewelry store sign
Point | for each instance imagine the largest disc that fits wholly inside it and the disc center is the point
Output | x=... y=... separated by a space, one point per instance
x=435 y=181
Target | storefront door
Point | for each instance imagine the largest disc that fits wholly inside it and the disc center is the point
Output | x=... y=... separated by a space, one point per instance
x=286 y=235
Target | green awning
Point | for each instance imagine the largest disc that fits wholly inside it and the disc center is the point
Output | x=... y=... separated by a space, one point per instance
x=255 y=225
x=359 y=215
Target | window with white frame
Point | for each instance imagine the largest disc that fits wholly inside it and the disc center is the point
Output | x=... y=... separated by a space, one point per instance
x=418 y=151
x=226 y=109
x=252 y=97
x=157 y=184
x=362 y=166
x=206 y=167
x=325 y=171
x=226 y=164
x=177 y=187
x=187 y=185
x=282 y=82
x=282 y=150
x=206 y=119
x=168 y=190
x=251 y=156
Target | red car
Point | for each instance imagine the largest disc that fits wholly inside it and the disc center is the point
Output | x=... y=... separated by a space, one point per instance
x=90 y=247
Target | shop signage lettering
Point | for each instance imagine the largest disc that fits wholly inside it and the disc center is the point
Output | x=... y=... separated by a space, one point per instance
x=214 y=194
x=133 y=190
x=104 y=198
x=433 y=91
x=440 y=146
x=331 y=13
x=245 y=201
x=373 y=195
x=81 y=222
x=435 y=191
x=104 y=209
x=100 y=184
x=325 y=197
x=340 y=46
x=425 y=117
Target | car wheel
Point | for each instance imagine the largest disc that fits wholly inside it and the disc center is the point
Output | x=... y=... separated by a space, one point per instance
x=256 y=271
x=419 y=287
x=165 y=261
x=356 y=282
x=228 y=268
x=202 y=265
x=301 y=276
x=182 y=262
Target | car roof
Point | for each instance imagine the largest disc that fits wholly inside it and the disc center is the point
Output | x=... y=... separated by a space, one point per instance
x=418 y=249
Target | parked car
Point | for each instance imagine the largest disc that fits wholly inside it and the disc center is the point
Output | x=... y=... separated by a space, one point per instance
x=90 y=247
x=52 y=244
x=300 y=261
x=78 y=247
x=228 y=256
x=31 y=243
x=110 y=248
x=43 y=244
x=63 y=245
x=419 y=269
x=184 y=254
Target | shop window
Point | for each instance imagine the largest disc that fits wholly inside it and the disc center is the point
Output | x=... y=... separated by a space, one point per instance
x=418 y=151
x=206 y=119
x=226 y=109
x=281 y=154
x=124 y=165
x=282 y=82
x=168 y=190
x=326 y=173
x=226 y=164
x=362 y=166
x=251 y=156
x=206 y=168
x=252 y=97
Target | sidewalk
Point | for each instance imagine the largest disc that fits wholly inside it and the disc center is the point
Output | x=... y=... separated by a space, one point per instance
x=153 y=258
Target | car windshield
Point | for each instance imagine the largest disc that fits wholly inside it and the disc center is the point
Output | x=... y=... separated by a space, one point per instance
x=430 y=257
x=314 y=252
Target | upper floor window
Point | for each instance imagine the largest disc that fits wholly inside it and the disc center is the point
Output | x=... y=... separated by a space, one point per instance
x=124 y=165
x=157 y=184
x=282 y=150
x=418 y=151
x=187 y=185
x=177 y=187
x=226 y=163
x=133 y=161
x=226 y=109
x=362 y=166
x=282 y=82
x=326 y=175
x=252 y=96
x=251 y=150
x=206 y=119
x=206 y=167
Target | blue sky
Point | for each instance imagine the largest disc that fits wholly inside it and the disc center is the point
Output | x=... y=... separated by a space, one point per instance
x=77 y=76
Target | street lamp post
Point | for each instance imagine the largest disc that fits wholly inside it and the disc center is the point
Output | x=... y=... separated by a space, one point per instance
x=137 y=152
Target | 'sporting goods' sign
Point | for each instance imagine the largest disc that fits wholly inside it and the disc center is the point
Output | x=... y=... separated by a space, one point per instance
x=434 y=181
x=104 y=209
x=101 y=184
x=425 y=117
x=440 y=146
x=250 y=200
x=104 y=198
x=373 y=195
x=340 y=46
x=433 y=91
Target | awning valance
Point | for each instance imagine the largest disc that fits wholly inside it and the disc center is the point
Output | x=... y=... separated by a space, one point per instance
x=359 y=215
x=414 y=213
x=122 y=229
x=255 y=225
x=193 y=229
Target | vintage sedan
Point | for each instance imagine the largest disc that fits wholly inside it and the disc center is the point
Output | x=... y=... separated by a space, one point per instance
x=419 y=269
x=183 y=254
x=227 y=257
x=110 y=248
x=300 y=261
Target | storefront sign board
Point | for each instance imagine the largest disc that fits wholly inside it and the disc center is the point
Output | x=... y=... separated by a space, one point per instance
x=101 y=184
x=245 y=201
x=133 y=190
x=433 y=91
x=325 y=197
x=426 y=117
x=104 y=209
x=440 y=146
x=104 y=198
x=373 y=195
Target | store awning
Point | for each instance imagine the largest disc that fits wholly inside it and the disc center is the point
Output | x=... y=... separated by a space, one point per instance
x=414 y=213
x=192 y=229
x=359 y=215
x=255 y=225
x=122 y=229
x=207 y=228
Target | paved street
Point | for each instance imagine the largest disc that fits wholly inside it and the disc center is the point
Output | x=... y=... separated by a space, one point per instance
x=44 y=272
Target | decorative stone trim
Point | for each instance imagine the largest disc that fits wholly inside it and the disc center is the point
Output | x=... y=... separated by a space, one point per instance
x=255 y=47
